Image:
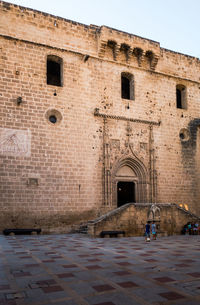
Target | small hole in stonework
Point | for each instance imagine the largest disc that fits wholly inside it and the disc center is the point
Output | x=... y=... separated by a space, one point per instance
x=184 y=135
x=53 y=119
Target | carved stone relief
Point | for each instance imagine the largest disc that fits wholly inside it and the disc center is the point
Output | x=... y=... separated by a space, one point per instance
x=14 y=142
x=115 y=144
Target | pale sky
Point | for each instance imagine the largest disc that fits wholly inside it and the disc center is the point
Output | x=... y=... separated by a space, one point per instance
x=173 y=23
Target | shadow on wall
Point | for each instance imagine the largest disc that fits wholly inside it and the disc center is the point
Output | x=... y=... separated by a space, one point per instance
x=52 y=223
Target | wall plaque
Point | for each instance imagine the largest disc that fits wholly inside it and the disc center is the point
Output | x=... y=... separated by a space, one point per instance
x=14 y=142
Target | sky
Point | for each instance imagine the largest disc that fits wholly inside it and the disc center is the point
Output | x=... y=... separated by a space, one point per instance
x=175 y=24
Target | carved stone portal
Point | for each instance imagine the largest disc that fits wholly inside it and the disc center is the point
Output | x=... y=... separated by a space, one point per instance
x=130 y=172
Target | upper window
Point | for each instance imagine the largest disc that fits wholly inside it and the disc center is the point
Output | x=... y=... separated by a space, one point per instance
x=127 y=86
x=181 y=101
x=54 y=70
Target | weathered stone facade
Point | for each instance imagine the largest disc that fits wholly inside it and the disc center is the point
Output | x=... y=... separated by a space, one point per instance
x=67 y=149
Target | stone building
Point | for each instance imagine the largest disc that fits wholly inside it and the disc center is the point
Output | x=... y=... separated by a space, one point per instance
x=92 y=118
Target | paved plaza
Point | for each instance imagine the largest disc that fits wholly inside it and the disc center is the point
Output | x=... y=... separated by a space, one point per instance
x=79 y=270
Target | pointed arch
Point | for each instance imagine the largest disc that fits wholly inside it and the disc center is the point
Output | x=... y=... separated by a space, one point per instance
x=139 y=177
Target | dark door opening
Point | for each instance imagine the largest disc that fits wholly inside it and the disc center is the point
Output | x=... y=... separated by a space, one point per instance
x=125 y=192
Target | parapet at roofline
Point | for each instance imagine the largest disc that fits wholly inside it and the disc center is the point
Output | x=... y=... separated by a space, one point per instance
x=91 y=26
x=179 y=53
x=128 y=34
x=147 y=39
x=8 y=4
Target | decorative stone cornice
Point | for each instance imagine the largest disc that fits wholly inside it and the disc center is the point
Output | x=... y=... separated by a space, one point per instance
x=123 y=118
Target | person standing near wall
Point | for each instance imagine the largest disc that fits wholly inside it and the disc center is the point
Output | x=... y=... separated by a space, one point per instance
x=147 y=231
x=153 y=230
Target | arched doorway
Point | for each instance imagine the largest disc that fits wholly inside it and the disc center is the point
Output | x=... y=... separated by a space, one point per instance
x=129 y=182
x=125 y=192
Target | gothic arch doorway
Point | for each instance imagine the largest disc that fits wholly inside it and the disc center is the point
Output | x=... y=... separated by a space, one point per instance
x=125 y=192
x=129 y=182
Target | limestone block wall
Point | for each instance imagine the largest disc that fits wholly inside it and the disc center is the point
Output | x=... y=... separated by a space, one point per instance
x=44 y=29
x=60 y=157
x=66 y=172
x=132 y=218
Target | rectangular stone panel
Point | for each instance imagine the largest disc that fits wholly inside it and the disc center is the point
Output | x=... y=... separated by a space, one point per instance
x=14 y=142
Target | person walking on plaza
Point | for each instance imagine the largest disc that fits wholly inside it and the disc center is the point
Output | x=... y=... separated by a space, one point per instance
x=147 y=231
x=153 y=230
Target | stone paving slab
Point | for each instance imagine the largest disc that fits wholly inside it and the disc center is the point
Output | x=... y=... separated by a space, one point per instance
x=79 y=270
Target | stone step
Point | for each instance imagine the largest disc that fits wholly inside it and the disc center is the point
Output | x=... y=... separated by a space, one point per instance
x=83 y=229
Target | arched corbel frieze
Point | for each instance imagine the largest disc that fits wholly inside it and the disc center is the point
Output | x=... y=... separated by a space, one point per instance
x=115 y=48
x=127 y=51
x=138 y=53
x=152 y=58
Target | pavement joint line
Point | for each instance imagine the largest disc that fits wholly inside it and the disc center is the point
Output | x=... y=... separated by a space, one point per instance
x=141 y=275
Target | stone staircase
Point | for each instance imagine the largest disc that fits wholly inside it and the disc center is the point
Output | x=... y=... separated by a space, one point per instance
x=83 y=229
x=132 y=218
x=80 y=228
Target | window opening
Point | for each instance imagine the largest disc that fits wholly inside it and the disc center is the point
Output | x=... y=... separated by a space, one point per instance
x=127 y=86
x=54 y=70
x=181 y=102
x=178 y=98
x=53 y=119
x=53 y=116
x=184 y=135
